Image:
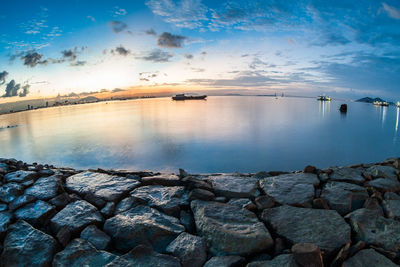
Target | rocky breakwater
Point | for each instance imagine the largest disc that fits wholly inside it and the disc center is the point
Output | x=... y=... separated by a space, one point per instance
x=340 y=216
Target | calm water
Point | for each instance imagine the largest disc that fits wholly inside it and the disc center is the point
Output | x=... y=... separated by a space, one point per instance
x=222 y=134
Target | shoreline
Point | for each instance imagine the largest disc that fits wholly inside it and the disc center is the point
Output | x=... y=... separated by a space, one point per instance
x=99 y=217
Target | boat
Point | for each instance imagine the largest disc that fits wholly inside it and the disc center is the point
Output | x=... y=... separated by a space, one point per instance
x=381 y=103
x=323 y=98
x=398 y=104
x=188 y=97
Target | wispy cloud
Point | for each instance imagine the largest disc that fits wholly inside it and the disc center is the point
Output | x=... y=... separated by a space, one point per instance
x=170 y=40
x=117 y=26
x=3 y=76
x=156 y=55
x=120 y=50
x=151 y=32
x=119 y=11
x=93 y=19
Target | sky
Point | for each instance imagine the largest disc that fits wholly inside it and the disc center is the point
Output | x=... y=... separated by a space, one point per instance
x=341 y=48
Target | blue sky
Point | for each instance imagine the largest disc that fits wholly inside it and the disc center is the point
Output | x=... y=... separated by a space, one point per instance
x=307 y=47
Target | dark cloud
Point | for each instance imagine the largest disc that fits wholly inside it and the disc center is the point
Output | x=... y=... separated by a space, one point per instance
x=70 y=54
x=3 y=76
x=32 y=59
x=257 y=63
x=151 y=32
x=120 y=50
x=117 y=26
x=188 y=56
x=25 y=90
x=78 y=63
x=169 y=40
x=147 y=76
x=156 y=55
x=12 y=89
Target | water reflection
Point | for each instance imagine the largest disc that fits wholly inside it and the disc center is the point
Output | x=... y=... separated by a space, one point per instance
x=324 y=107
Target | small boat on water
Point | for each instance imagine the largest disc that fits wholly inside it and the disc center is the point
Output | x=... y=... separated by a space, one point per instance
x=398 y=104
x=381 y=103
x=323 y=98
x=188 y=97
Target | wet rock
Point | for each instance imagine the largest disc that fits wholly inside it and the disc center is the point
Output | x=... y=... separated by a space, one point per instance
x=10 y=191
x=142 y=225
x=310 y=169
x=26 y=246
x=201 y=194
x=187 y=220
x=193 y=182
x=104 y=186
x=344 y=197
x=61 y=200
x=234 y=186
x=37 y=213
x=356 y=248
x=279 y=246
x=284 y=260
x=76 y=215
x=292 y=189
x=391 y=196
x=341 y=256
x=319 y=203
x=182 y=173
x=45 y=188
x=46 y=172
x=3 y=207
x=378 y=171
x=373 y=204
x=230 y=230
x=374 y=229
x=221 y=199
x=5 y=221
x=21 y=201
x=20 y=176
x=163 y=179
x=385 y=184
x=190 y=249
x=306 y=254
x=368 y=257
x=3 y=168
x=108 y=209
x=225 y=261
x=96 y=237
x=95 y=200
x=392 y=208
x=264 y=202
x=325 y=228
x=349 y=175
x=79 y=252
x=243 y=203
x=167 y=199
x=261 y=175
x=64 y=235
x=125 y=205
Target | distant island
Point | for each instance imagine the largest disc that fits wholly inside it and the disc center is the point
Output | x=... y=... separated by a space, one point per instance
x=372 y=100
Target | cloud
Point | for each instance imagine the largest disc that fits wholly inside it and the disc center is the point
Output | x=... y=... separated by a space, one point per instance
x=188 y=56
x=157 y=56
x=117 y=26
x=120 y=50
x=70 y=54
x=12 y=89
x=91 y=18
x=392 y=12
x=32 y=59
x=119 y=11
x=256 y=63
x=151 y=32
x=78 y=63
x=3 y=76
x=25 y=90
x=147 y=76
x=169 y=40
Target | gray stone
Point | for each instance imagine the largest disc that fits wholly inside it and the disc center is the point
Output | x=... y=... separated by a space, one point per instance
x=37 y=213
x=190 y=249
x=345 y=174
x=225 y=261
x=385 y=184
x=3 y=207
x=284 y=260
x=79 y=252
x=167 y=199
x=264 y=202
x=10 y=191
x=391 y=196
x=162 y=179
x=96 y=237
x=5 y=221
x=243 y=203
x=374 y=229
x=187 y=220
x=45 y=188
x=61 y=200
x=292 y=189
x=20 y=176
x=124 y=205
x=108 y=209
x=3 y=168
x=378 y=171
x=392 y=208
x=344 y=197
x=373 y=204
x=21 y=201
x=142 y=225
x=201 y=194
x=26 y=246
x=234 y=186
x=325 y=228
x=369 y=257
x=107 y=187
x=306 y=254
x=46 y=172
x=230 y=230
x=76 y=215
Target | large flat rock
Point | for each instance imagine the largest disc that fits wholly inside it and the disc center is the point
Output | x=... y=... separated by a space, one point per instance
x=104 y=186
x=344 y=197
x=45 y=188
x=37 y=213
x=10 y=191
x=392 y=208
x=27 y=246
x=369 y=257
x=190 y=249
x=230 y=230
x=345 y=174
x=234 y=186
x=385 y=184
x=325 y=228
x=162 y=179
x=5 y=221
x=292 y=189
x=374 y=229
x=377 y=171
x=142 y=225
x=20 y=176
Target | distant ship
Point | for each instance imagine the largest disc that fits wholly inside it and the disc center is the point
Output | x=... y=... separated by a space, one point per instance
x=323 y=98
x=185 y=97
x=381 y=103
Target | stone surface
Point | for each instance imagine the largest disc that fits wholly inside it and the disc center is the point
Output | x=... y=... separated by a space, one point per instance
x=369 y=257
x=187 y=220
x=377 y=171
x=344 y=197
x=37 y=213
x=45 y=188
x=104 y=186
x=96 y=237
x=3 y=207
x=374 y=229
x=61 y=200
x=306 y=254
x=391 y=196
x=292 y=189
x=79 y=252
x=264 y=202
x=76 y=215
x=190 y=249
x=284 y=260
x=325 y=228
x=124 y=205
x=142 y=225
x=201 y=194
x=392 y=208
x=108 y=209
x=234 y=186
x=167 y=199
x=225 y=261
x=5 y=220
x=3 y=168
x=26 y=246
x=163 y=179
x=10 y=191
x=20 y=176
x=385 y=184
x=21 y=201
x=373 y=204
x=230 y=230
x=345 y=174
x=243 y=203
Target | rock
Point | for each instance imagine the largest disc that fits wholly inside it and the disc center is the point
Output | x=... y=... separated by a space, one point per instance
x=45 y=188
x=37 y=213
x=104 y=186
x=97 y=238
x=21 y=201
x=61 y=200
x=261 y=175
x=79 y=252
x=324 y=228
x=64 y=235
x=234 y=187
x=46 y=172
x=201 y=194
x=10 y=191
x=187 y=220
x=243 y=203
x=306 y=254
x=5 y=221
x=225 y=261
x=95 y=200
x=76 y=215
x=3 y=168
x=374 y=229
x=284 y=260
x=373 y=204
x=368 y=257
x=385 y=184
x=182 y=173
x=163 y=179
x=279 y=246
x=190 y=249
x=341 y=256
x=167 y=199
x=343 y=108
x=230 y=230
x=292 y=189
x=144 y=257
x=142 y=225
x=26 y=246
x=356 y=248
x=344 y=197
x=125 y=205
x=346 y=174
x=378 y=171
x=310 y=169
x=221 y=199
x=192 y=182
x=3 y=207
x=20 y=176
x=319 y=203
x=264 y=202
x=392 y=208
x=108 y=209
x=391 y=196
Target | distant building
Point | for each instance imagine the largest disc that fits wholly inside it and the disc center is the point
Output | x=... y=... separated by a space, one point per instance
x=47 y=104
